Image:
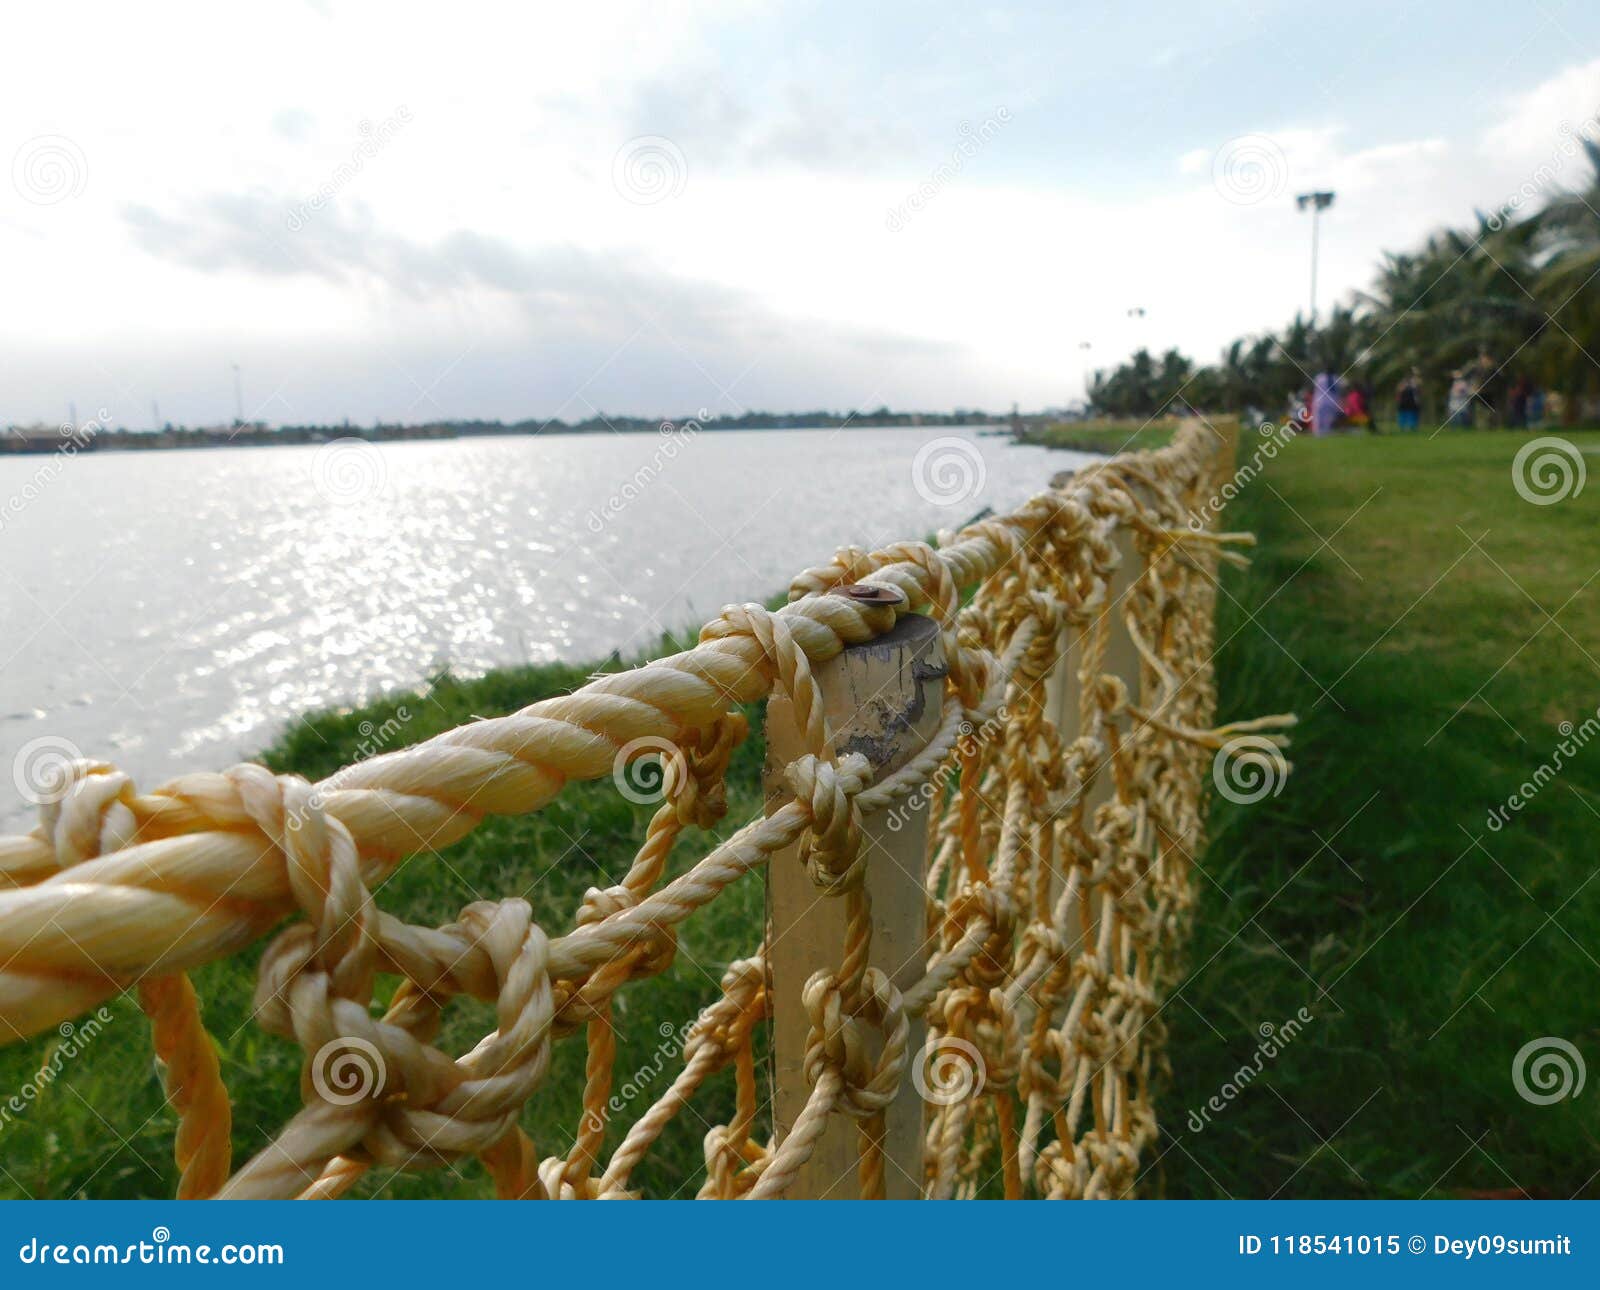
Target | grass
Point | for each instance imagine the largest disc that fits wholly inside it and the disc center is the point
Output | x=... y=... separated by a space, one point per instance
x=1433 y=630
x=1426 y=949
x=1103 y=435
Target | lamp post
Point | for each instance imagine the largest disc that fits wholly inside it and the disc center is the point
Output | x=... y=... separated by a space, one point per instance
x=1316 y=203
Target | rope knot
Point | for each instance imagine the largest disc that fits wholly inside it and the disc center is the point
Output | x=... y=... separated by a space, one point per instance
x=977 y=904
x=83 y=809
x=831 y=848
x=838 y=1040
x=695 y=783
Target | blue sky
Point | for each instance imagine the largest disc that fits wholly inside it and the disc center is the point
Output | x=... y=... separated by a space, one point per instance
x=393 y=211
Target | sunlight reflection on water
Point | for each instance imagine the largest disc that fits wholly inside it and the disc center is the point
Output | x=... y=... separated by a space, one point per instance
x=169 y=610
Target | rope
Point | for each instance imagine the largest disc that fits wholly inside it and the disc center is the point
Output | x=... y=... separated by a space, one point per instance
x=1058 y=885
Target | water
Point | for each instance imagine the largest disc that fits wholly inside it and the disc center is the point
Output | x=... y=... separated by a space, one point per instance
x=169 y=611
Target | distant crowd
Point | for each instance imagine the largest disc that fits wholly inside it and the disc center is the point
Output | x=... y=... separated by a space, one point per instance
x=1479 y=396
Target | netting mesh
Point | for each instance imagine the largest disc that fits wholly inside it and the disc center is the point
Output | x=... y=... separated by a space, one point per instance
x=1065 y=782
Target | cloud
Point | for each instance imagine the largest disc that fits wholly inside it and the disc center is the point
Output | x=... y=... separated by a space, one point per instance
x=541 y=331
x=1534 y=120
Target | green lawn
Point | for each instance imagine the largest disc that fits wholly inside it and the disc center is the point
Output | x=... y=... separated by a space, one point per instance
x=1432 y=630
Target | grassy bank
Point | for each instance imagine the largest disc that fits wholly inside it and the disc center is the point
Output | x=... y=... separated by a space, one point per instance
x=1102 y=435
x=1434 y=631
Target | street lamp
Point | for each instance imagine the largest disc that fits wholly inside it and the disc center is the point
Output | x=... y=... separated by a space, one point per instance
x=1317 y=203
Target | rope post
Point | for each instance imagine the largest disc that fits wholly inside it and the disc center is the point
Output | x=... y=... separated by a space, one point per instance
x=881 y=699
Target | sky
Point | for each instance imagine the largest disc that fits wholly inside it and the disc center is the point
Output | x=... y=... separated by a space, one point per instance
x=412 y=212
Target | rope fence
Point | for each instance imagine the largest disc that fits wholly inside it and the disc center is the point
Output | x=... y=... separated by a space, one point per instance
x=985 y=796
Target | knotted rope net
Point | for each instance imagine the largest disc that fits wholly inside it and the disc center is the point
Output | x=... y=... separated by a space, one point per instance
x=1058 y=886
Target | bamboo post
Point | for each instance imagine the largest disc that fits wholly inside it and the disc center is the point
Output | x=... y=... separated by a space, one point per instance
x=1064 y=685
x=882 y=699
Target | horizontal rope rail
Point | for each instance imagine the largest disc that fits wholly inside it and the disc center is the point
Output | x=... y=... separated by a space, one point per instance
x=1057 y=889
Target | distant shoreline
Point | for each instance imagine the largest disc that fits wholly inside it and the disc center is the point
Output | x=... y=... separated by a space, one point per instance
x=35 y=441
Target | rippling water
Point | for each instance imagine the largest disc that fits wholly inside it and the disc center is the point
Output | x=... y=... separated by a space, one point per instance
x=170 y=610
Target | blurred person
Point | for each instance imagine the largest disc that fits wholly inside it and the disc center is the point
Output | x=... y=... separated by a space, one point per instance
x=1536 y=408
x=1484 y=378
x=1459 y=412
x=1355 y=408
x=1408 y=402
x=1517 y=413
x=1325 y=407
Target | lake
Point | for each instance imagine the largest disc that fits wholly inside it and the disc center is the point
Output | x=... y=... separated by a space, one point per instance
x=169 y=611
